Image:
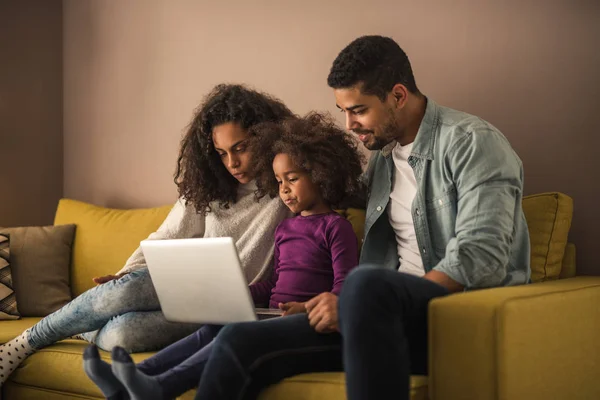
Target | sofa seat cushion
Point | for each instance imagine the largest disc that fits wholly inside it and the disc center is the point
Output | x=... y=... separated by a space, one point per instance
x=57 y=371
x=60 y=368
x=328 y=385
x=20 y=392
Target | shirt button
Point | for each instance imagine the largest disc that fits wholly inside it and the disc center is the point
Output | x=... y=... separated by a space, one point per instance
x=424 y=251
x=379 y=208
x=417 y=212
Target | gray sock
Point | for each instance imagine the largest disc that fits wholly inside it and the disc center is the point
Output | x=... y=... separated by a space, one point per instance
x=101 y=374
x=139 y=385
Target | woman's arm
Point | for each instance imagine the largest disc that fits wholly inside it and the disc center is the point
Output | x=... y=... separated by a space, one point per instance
x=182 y=222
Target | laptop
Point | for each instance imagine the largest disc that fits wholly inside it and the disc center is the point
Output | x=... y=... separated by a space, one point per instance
x=201 y=281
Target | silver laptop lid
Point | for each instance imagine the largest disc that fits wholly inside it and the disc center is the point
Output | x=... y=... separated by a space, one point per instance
x=199 y=280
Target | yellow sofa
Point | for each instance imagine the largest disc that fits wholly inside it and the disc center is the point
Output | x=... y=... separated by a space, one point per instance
x=536 y=341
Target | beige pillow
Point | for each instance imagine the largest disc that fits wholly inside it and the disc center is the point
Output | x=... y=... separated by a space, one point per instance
x=8 y=300
x=40 y=261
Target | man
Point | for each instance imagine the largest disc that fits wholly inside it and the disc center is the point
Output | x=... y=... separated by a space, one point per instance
x=443 y=215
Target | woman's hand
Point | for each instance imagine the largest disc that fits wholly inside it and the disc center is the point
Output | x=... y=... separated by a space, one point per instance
x=293 y=307
x=99 y=280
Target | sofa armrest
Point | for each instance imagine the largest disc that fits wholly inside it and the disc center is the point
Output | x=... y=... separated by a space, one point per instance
x=537 y=341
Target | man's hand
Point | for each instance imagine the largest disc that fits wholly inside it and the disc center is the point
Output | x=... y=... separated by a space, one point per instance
x=99 y=280
x=323 y=312
x=293 y=307
x=442 y=279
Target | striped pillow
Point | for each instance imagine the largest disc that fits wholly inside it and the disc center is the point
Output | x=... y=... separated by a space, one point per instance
x=8 y=301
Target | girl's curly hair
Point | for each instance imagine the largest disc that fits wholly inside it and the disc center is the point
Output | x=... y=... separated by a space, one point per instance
x=316 y=145
x=201 y=177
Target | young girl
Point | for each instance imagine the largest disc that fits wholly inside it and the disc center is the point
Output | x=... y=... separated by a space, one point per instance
x=215 y=181
x=313 y=167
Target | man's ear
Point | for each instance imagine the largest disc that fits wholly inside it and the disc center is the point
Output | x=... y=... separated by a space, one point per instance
x=400 y=95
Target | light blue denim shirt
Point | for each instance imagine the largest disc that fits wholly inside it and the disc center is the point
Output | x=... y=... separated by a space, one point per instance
x=467 y=212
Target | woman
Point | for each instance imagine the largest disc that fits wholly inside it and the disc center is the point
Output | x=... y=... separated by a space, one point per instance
x=217 y=199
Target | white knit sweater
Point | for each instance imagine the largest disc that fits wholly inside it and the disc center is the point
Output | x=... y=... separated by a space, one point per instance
x=251 y=224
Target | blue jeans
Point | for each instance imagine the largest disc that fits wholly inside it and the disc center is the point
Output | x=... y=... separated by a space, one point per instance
x=178 y=367
x=124 y=312
x=383 y=323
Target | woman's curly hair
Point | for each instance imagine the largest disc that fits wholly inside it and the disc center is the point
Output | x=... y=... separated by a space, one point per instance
x=201 y=177
x=316 y=145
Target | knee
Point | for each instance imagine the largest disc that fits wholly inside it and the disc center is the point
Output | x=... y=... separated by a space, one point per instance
x=120 y=294
x=118 y=332
x=230 y=335
x=363 y=287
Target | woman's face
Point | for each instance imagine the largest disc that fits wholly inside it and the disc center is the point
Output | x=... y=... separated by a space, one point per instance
x=230 y=141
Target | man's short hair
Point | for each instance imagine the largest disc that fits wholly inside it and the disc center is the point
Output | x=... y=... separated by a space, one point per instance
x=377 y=62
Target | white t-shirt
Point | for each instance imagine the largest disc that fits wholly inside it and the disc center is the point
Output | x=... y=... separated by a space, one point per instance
x=404 y=190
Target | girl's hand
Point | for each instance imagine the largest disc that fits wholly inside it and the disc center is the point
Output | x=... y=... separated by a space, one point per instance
x=293 y=307
x=99 y=280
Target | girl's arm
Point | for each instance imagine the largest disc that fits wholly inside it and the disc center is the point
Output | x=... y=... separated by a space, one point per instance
x=261 y=291
x=343 y=245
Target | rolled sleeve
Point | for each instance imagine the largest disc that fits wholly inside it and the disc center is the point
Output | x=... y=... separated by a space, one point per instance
x=489 y=182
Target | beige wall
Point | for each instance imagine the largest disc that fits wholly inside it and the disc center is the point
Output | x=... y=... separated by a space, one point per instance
x=31 y=146
x=135 y=70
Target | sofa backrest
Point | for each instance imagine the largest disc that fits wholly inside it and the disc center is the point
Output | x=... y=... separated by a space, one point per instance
x=104 y=237
x=548 y=216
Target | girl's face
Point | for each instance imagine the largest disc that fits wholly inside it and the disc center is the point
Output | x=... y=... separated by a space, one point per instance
x=296 y=189
x=230 y=142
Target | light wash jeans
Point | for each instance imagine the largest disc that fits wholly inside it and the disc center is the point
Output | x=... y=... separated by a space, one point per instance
x=124 y=312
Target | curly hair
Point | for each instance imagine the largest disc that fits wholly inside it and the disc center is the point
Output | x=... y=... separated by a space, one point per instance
x=317 y=146
x=375 y=61
x=201 y=177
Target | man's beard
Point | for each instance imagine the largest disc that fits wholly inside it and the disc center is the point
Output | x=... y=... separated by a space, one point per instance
x=377 y=143
x=388 y=132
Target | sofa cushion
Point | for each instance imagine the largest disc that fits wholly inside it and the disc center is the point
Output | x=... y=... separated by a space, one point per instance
x=356 y=217
x=549 y=219
x=40 y=259
x=569 y=263
x=8 y=300
x=59 y=368
x=11 y=329
x=105 y=237
x=328 y=385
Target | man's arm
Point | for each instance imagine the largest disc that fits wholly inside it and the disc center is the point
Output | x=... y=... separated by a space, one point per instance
x=489 y=181
x=323 y=312
x=444 y=280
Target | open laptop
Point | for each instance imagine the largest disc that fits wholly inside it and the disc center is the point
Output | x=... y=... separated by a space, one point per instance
x=201 y=281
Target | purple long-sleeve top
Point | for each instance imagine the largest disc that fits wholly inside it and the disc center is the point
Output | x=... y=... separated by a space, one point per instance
x=312 y=255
